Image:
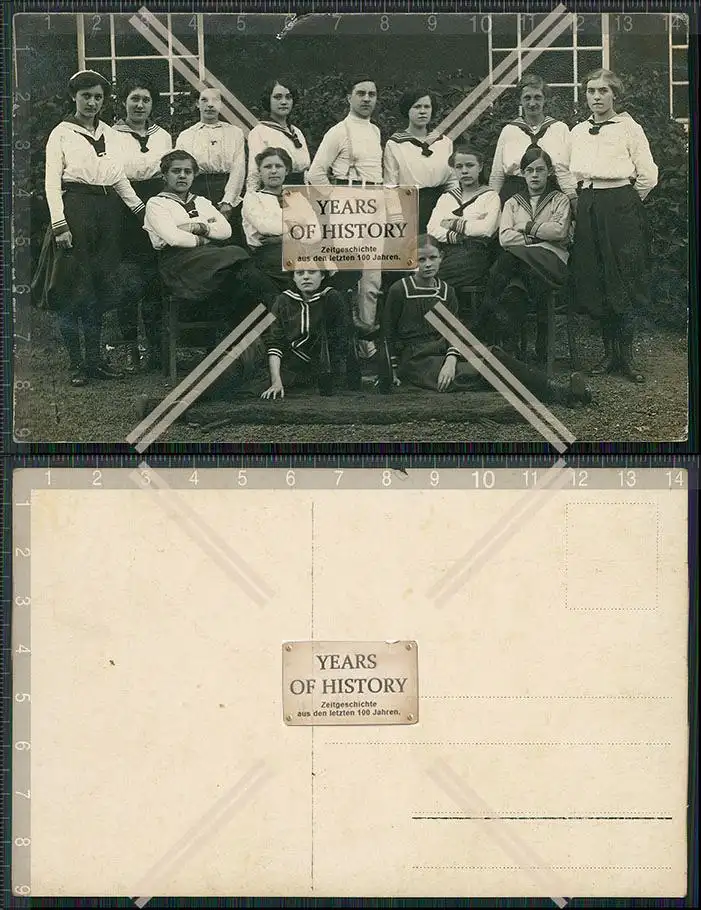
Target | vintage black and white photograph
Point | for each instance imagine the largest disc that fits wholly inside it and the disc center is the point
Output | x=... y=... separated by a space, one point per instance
x=162 y=161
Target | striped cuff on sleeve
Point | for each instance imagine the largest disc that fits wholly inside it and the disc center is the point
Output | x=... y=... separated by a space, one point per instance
x=453 y=237
x=454 y=351
x=394 y=361
x=59 y=227
x=275 y=352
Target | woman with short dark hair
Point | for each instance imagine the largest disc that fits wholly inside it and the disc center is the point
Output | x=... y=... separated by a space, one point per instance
x=278 y=101
x=144 y=143
x=532 y=127
x=86 y=191
x=410 y=160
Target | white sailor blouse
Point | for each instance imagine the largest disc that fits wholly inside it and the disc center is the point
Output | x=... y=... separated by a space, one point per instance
x=475 y=217
x=141 y=155
x=410 y=162
x=517 y=136
x=218 y=148
x=166 y=212
x=265 y=214
x=616 y=149
x=541 y=221
x=75 y=155
x=352 y=149
x=268 y=134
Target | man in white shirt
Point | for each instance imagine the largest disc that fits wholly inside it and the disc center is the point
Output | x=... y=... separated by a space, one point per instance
x=350 y=154
x=220 y=151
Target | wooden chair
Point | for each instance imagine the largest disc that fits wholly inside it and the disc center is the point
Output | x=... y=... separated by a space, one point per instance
x=557 y=304
x=173 y=329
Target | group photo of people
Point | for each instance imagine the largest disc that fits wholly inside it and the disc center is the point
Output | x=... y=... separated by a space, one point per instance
x=549 y=221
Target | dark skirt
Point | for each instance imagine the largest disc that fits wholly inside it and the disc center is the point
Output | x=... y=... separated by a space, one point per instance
x=610 y=253
x=268 y=260
x=529 y=275
x=200 y=272
x=420 y=363
x=211 y=186
x=88 y=274
x=466 y=264
x=139 y=268
x=428 y=197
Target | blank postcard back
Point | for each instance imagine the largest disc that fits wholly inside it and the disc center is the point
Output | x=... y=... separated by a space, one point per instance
x=550 y=753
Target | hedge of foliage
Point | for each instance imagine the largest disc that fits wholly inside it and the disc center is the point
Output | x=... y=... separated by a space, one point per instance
x=323 y=103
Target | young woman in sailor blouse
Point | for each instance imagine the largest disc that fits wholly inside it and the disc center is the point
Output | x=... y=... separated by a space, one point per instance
x=532 y=127
x=534 y=233
x=220 y=152
x=267 y=214
x=466 y=220
x=611 y=160
x=184 y=229
x=144 y=143
x=411 y=160
x=86 y=191
x=275 y=130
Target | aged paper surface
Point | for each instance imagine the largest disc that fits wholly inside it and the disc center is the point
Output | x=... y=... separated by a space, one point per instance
x=552 y=695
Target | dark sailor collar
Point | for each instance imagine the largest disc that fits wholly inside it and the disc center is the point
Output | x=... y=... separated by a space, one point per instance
x=402 y=137
x=290 y=133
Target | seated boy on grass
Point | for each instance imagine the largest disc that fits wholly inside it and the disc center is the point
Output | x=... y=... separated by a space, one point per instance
x=310 y=341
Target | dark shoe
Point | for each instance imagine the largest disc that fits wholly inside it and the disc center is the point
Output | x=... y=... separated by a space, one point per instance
x=579 y=393
x=133 y=361
x=78 y=376
x=102 y=370
x=628 y=368
x=611 y=359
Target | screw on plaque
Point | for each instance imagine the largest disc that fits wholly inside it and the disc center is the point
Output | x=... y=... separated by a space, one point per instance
x=410 y=261
x=288 y=718
x=288 y=647
x=288 y=262
x=408 y=647
x=410 y=717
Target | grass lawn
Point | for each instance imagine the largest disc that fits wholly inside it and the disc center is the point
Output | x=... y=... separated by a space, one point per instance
x=107 y=411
